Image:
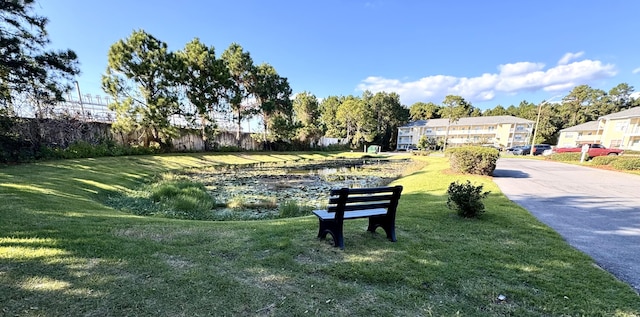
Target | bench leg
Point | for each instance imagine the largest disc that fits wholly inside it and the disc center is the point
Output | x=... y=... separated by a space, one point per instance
x=385 y=223
x=332 y=228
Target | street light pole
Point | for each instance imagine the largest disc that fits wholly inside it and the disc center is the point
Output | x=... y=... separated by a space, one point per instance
x=535 y=132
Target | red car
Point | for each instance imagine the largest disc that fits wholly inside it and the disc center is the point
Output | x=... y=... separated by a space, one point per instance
x=594 y=150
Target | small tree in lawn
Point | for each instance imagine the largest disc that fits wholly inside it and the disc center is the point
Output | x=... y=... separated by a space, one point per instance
x=423 y=143
x=466 y=199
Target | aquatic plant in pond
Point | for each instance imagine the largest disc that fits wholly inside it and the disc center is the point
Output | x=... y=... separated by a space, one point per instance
x=272 y=190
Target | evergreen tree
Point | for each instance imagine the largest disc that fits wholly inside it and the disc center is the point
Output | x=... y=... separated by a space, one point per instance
x=25 y=64
x=141 y=77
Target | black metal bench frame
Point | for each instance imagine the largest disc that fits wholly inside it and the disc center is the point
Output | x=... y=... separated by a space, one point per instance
x=379 y=204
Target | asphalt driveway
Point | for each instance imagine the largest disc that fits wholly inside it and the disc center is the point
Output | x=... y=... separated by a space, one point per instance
x=596 y=211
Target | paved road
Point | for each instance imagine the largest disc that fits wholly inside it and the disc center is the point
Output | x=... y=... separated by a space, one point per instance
x=596 y=211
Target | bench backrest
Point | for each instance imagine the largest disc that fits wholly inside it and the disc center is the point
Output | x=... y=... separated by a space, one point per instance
x=353 y=199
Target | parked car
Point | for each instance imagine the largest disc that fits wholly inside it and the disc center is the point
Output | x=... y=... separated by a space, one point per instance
x=521 y=150
x=594 y=150
x=512 y=149
x=538 y=149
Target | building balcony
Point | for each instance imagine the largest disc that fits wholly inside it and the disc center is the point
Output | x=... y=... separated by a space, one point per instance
x=589 y=138
x=635 y=131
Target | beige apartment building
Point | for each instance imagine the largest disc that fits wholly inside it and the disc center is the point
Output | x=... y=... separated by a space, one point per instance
x=589 y=132
x=616 y=130
x=499 y=131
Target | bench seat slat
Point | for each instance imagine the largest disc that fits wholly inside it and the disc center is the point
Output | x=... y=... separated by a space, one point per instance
x=360 y=199
x=324 y=214
x=361 y=191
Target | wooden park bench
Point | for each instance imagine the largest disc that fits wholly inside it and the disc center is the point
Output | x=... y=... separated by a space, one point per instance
x=378 y=204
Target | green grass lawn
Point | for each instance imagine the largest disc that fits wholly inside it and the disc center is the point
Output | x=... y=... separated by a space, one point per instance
x=64 y=253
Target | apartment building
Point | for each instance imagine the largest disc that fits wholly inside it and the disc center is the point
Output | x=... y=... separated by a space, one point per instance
x=616 y=130
x=589 y=132
x=499 y=131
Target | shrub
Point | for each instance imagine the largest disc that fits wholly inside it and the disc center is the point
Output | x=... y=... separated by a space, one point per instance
x=421 y=152
x=83 y=149
x=291 y=208
x=182 y=199
x=629 y=164
x=466 y=199
x=473 y=159
x=604 y=160
x=337 y=147
x=228 y=148
x=565 y=157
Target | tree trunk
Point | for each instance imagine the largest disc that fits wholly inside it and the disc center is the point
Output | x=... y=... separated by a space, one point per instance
x=446 y=136
x=239 y=143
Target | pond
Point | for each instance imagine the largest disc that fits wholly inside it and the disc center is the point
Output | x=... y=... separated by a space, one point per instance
x=258 y=191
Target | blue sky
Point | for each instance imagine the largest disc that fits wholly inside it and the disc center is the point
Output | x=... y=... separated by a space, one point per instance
x=489 y=52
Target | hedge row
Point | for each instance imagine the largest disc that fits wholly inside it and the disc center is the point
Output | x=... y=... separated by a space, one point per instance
x=565 y=157
x=619 y=163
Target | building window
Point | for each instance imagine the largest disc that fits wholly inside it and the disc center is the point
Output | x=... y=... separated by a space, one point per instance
x=621 y=126
x=429 y=131
x=519 y=128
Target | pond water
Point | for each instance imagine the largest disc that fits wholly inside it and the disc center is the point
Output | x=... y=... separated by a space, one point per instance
x=256 y=191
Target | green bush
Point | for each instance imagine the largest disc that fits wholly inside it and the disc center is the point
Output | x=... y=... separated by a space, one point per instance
x=473 y=159
x=182 y=199
x=83 y=149
x=565 y=157
x=291 y=208
x=421 y=153
x=604 y=160
x=466 y=199
x=228 y=148
x=337 y=147
x=629 y=164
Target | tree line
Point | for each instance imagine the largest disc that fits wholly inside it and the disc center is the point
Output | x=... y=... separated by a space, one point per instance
x=150 y=85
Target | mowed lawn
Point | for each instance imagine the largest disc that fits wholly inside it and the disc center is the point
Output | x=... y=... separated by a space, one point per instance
x=64 y=253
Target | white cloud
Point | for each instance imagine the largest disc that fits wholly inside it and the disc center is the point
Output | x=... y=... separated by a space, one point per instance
x=519 y=68
x=511 y=79
x=569 y=57
x=636 y=71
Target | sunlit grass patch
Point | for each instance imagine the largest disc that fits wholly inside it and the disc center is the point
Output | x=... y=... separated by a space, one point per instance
x=43 y=283
x=29 y=248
